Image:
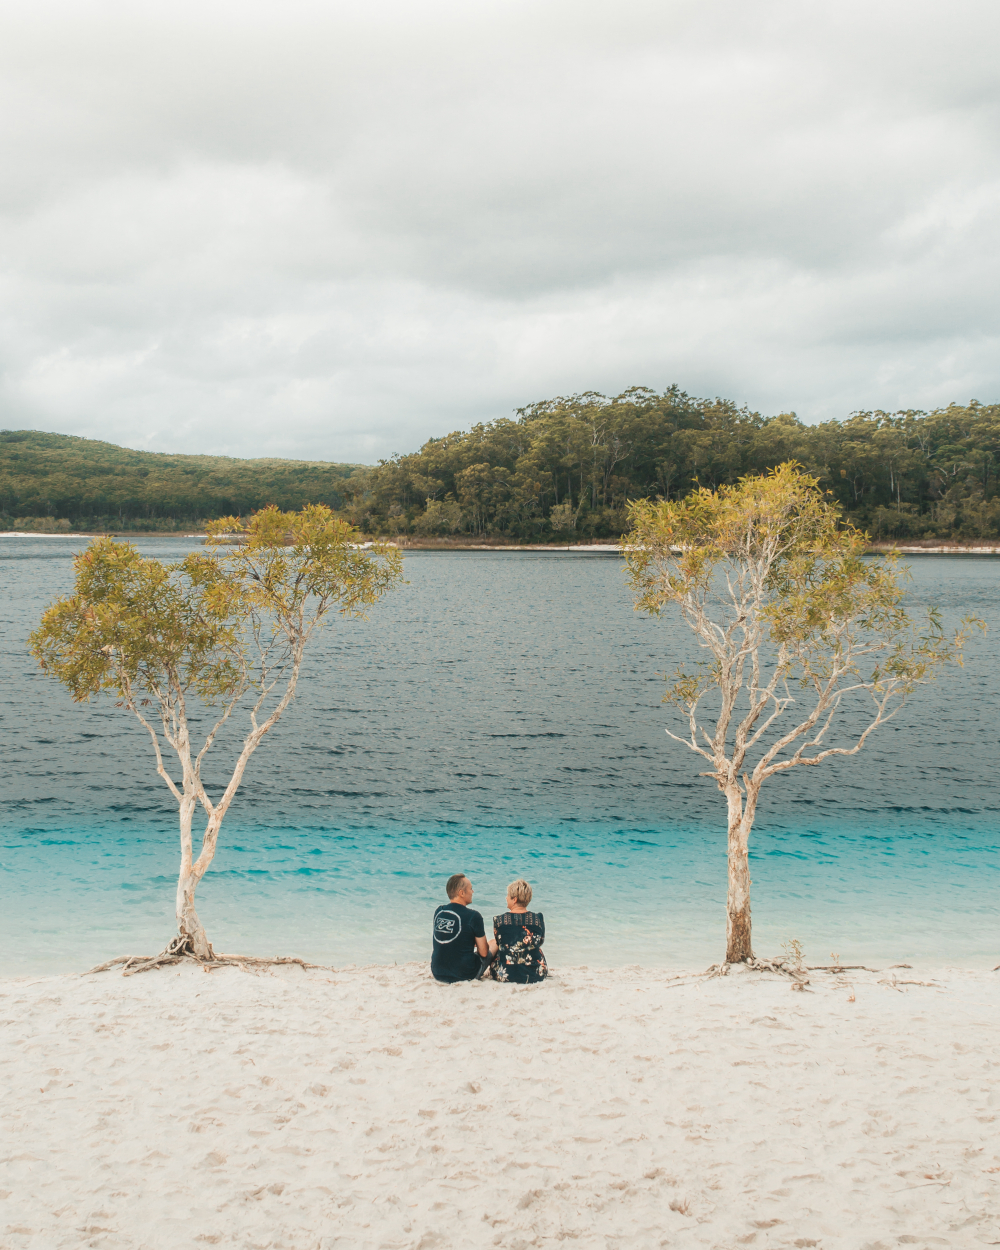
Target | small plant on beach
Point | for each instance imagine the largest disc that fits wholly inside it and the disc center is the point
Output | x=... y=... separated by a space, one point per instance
x=225 y=628
x=794 y=955
x=798 y=626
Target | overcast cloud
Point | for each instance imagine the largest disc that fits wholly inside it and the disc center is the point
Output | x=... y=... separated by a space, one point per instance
x=334 y=230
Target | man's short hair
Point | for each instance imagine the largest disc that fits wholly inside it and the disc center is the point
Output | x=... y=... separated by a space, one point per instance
x=454 y=885
x=519 y=892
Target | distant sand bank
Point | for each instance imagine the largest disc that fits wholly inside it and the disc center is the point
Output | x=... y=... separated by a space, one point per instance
x=410 y=544
x=372 y=1108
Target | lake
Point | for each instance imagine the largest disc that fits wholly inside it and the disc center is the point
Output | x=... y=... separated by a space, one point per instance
x=498 y=715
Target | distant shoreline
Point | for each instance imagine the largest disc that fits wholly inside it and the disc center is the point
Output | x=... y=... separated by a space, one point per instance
x=614 y=548
x=930 y=547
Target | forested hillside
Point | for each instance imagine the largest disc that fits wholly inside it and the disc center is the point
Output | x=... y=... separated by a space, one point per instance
x=561 y=470
x=566 y=468
x=54 y=481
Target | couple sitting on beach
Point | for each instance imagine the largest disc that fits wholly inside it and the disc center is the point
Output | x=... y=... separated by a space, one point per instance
x=461 y=951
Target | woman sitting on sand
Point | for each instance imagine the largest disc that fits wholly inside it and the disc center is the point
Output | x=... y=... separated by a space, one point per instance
x=518 y=934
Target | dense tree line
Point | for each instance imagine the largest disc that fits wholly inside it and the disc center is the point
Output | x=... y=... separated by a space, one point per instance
x=55 y=481
x=566 y=468
x=562 y=470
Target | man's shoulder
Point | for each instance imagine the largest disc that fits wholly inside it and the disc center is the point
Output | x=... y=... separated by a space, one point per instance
x=448 y=924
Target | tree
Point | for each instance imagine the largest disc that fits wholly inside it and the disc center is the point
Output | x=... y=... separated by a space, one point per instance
x=588 y=450
x=226 y=628
x=798 y=626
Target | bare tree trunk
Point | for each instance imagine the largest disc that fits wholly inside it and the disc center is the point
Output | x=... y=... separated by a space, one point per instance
x=739 y=948
x=190 y=931
x=188 y=924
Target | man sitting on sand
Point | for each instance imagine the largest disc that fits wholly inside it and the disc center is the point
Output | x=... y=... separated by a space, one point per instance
x=460 y=946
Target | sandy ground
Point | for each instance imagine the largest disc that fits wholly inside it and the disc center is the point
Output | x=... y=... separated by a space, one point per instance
x=374 y=1108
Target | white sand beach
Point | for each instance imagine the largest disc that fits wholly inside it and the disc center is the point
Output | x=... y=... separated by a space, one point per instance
x=372 y=1108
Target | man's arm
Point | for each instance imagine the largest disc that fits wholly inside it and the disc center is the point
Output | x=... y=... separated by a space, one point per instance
x=479 y=935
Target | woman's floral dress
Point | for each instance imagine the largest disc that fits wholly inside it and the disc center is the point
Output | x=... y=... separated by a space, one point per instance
x=519 y=957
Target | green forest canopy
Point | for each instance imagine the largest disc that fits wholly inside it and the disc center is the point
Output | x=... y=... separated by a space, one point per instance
x=84 y=483
x=563 y=469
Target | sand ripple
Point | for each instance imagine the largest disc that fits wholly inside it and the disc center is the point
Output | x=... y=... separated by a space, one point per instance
x=371 y=1108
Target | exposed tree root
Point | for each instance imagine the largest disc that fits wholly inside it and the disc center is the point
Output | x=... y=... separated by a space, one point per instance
x=782 y=968
x=178 y=950
x=122 y=959
x=139 y=963
x=770 y=965
x=797 y=976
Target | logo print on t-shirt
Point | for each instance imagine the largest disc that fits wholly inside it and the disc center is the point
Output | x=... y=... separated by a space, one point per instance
x=447 y=927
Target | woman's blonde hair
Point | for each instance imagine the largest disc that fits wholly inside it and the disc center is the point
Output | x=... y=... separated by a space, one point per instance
x=519 y=892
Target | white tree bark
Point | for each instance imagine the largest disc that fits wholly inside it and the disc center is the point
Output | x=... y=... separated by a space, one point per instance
x=728 y=618
x=216 y=630
x=272 y=672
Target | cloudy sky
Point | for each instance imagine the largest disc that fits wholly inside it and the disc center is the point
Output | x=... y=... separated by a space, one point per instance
x=332 y=230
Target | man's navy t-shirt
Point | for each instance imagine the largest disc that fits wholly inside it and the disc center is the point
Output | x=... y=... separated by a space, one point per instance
x=454 y=957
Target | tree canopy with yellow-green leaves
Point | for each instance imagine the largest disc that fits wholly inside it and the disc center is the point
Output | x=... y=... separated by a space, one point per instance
x=226 y=628
x=796 y=625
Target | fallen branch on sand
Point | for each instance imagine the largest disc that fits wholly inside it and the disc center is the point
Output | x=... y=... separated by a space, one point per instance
x=684 y=977
x=843 y=968
x=894 y=983
x=179 y=951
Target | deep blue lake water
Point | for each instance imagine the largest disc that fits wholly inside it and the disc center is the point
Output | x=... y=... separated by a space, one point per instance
x=499 y=715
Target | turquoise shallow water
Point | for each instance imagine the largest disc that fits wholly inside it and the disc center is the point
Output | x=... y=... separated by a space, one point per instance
x=499 y=715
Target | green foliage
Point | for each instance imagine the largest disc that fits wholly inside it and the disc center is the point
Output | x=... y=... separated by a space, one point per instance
x=564 y=469
x=135 y=627
x=138 y=627
x=218 y=625
x=795 y=621
x=570 y=467
x=296 y=567
x=777 y=589
x=48 y=478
